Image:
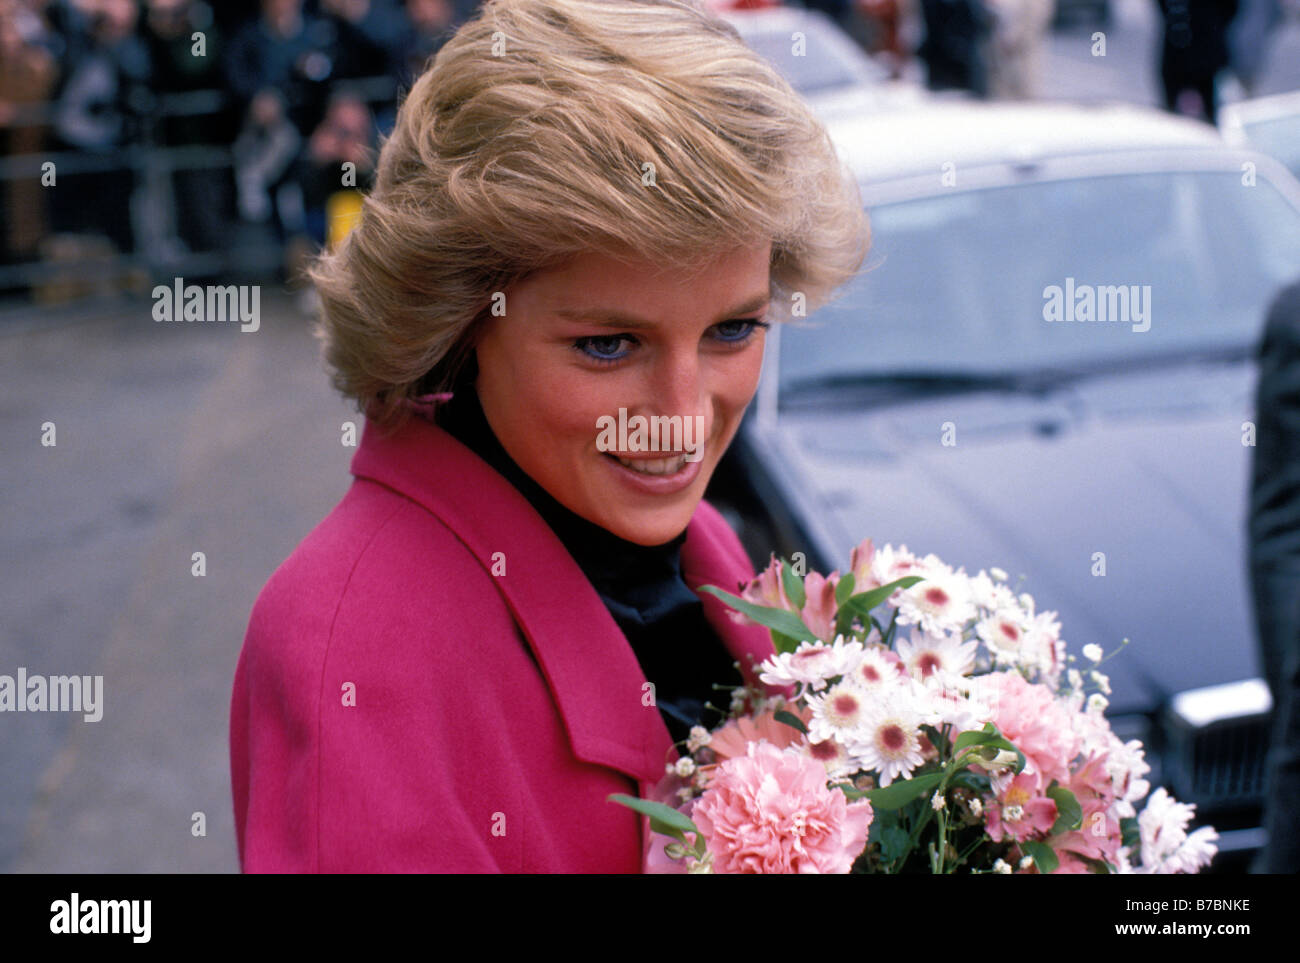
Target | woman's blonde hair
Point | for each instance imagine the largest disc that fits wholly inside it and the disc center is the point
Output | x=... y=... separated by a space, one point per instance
x=546 y=128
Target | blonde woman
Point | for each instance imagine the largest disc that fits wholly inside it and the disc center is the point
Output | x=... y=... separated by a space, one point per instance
x=589 y=210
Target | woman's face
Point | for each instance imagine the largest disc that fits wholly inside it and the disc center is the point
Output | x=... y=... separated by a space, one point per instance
x=578 y=343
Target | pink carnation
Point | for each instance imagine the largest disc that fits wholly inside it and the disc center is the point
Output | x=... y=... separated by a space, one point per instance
x=734 y=738
x=1030 y=717
x=770 y=811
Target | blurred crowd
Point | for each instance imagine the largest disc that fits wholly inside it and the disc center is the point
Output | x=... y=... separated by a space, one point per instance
x=996 y=48
x=177 y=127
x=248 y=110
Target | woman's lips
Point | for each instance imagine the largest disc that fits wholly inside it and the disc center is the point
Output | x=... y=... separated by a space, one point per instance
x=652 y=478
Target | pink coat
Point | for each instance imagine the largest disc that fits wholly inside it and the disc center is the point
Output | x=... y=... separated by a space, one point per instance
x=398 y=707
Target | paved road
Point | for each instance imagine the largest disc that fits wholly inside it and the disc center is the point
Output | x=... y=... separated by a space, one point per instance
x=170 y=441
x=178 y=439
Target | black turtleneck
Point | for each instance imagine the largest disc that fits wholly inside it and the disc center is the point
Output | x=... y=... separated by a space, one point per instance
x=642 y=586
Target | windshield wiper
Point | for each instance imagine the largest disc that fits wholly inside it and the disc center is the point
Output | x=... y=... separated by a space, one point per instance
x=910 y=383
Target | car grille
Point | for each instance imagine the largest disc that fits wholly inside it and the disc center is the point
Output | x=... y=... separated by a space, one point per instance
x=1220 y=764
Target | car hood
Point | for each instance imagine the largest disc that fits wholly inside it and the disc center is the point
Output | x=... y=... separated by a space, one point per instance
x=1148 y=469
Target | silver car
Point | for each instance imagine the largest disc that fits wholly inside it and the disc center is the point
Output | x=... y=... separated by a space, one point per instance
x=1270 y=125
x=1047 y=366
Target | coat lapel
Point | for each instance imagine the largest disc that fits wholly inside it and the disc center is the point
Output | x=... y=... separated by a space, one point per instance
x=588 y=664
x=712 y=556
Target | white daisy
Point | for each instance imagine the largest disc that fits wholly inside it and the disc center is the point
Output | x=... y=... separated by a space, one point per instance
x=1126 y=765
x=1003 y=631
x=891 y=736
x=877 y=667
x=989 y=593
x=954 y=702
x=1042 y=648
x=811 y=664
x=889 y=564
x=940 y=604
x=1166 y=846
x=838 y=714
x=832 y=754
x=924 y=654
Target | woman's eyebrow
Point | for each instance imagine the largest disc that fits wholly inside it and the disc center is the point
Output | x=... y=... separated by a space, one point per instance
x=614 y=318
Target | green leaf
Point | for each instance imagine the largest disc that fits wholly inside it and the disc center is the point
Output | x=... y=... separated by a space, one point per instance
x=990 y=738
x=1099 y=866
x=780 y=621
x=1069 y=814
x=979 y=737
x=850 y=792
x=1130 y=834
x=1043 y=855
x=790 y=719
x=793 y=585
x=784 y=643
x=972 y=780
x=843 y=621
x=844 y=588
x=902 y=791
x=663 y=819
x=894 y=843
x=864 y=602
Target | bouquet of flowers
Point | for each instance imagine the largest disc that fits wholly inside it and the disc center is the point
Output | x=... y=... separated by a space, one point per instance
x=931 y=721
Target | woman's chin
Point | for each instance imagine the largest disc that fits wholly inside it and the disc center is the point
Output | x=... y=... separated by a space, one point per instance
x=651 y=529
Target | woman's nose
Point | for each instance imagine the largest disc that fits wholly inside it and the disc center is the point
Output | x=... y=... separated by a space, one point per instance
x=677 y=387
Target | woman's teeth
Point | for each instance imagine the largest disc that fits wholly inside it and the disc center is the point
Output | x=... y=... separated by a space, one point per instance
x=655 y=466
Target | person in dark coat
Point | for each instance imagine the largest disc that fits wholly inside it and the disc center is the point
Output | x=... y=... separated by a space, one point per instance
x=955 y=49
x=1274 y=528
x=1193 y=51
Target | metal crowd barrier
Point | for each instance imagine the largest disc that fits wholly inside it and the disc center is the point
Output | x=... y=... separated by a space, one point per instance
x=158 y=250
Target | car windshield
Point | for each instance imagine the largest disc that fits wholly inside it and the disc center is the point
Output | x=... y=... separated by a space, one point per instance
x=1279 y=138
x=817 y=68
x=961 y=283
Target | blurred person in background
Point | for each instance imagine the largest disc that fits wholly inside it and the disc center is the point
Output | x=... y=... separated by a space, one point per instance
x=100 y=103
x=883 y=20
x=364 y=34
x=432 y=22
x=285 y=51
x=1274 y=530
x=277 y=71
x=955 y=49
x=1249 y=35
x=264 y=153
x=841 y=11
x=1018 y=47
x=204 y=196
x=330 y=191
x=28 y=73
x=1193 y=50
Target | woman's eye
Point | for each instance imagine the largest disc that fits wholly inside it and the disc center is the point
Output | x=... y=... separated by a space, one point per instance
x=605 y=348
x=739 y=330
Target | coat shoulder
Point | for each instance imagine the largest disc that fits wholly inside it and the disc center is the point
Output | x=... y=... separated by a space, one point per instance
x=377 y=543
x=369 y=652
